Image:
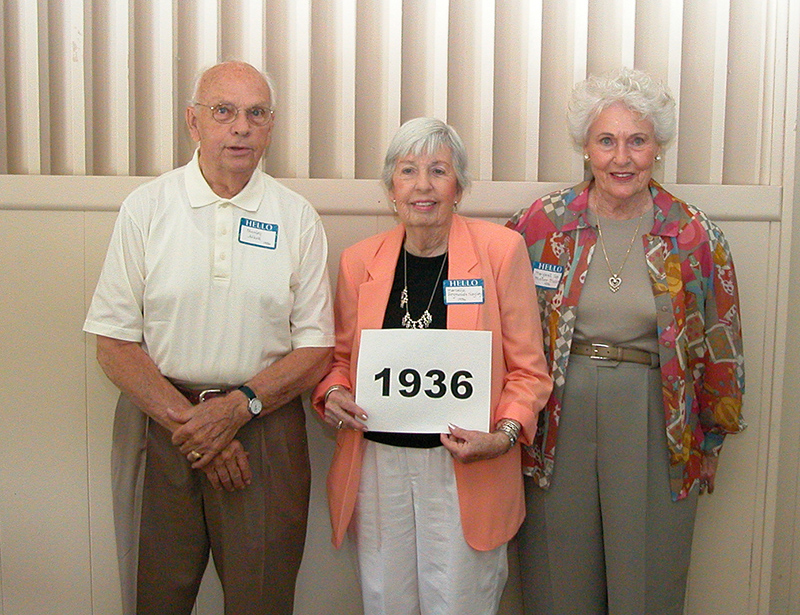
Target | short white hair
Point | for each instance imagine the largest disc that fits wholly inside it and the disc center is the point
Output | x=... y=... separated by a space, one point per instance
x=426 y=135
x=635 y=89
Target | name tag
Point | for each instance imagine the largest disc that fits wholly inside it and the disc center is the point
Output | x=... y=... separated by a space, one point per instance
x=259 y=234
x=419 y=380
x=463 y=291
x=546 y=275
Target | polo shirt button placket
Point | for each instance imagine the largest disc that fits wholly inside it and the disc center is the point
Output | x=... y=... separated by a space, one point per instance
x=222 y=242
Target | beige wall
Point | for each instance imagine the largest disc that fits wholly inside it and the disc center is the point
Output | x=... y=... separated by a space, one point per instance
x=57 y=407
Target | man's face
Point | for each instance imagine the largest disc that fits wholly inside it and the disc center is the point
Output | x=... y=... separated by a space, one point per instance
x=230 y=152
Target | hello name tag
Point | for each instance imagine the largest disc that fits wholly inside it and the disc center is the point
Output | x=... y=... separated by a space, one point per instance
x=463 y=291
x=259 y=234
x=546 y=275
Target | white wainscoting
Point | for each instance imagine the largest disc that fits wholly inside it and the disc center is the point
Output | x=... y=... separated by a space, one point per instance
x=57 y=550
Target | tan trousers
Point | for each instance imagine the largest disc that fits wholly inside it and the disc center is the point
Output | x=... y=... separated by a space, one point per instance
x=606 y=536
x=168 y=517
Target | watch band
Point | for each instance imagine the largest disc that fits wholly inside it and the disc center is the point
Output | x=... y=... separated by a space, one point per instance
x=247 y=391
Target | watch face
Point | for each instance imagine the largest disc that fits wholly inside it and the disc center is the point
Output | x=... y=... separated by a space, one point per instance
x=255 y=406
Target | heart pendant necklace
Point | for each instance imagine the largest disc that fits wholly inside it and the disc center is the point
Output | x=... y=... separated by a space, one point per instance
x=615 y=280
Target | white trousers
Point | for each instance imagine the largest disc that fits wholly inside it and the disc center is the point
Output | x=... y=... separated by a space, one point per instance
x=413 y=559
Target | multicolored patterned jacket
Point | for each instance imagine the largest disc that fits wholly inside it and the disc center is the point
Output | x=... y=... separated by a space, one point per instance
x=697 y=307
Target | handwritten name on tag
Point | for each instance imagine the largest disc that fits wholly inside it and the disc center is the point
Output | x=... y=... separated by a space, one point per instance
x=463 y=291
x=259 y=234
x=546 y=275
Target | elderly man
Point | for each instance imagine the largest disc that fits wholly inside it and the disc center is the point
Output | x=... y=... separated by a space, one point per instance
x=212 y=315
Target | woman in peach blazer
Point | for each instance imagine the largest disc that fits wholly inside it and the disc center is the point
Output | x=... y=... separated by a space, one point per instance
x=462 y=491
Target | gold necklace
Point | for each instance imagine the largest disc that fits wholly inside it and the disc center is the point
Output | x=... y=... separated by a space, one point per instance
x=424 y=321
x=614 y=280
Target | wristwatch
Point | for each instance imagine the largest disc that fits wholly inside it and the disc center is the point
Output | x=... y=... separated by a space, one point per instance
x=254 y=404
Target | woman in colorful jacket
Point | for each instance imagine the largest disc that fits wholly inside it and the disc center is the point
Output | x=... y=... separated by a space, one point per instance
x=640 y=311
x=431 y=513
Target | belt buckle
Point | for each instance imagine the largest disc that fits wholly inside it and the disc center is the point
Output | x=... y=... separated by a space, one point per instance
x=599 y=357
x=208 y=393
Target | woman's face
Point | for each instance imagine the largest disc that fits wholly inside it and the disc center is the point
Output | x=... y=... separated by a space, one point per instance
x=425 y=189
x=622 y=149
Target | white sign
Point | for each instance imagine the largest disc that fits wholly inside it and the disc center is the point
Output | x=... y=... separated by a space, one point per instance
x=419 y=380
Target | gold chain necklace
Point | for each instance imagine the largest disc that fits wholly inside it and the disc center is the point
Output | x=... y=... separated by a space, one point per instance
x=614 y=280
x=424 y=321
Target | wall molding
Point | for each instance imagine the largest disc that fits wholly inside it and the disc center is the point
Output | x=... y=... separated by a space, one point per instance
x=365 y=197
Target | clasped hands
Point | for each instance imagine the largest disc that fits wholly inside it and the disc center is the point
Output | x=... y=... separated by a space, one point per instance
x=205 y=435
x=342 y=412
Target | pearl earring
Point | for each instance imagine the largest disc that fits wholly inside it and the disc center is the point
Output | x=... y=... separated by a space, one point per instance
x=586 y=157
x=455 y=205
x=658 y=157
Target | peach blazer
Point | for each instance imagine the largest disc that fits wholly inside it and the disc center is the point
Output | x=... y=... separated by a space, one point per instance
x=490 y=493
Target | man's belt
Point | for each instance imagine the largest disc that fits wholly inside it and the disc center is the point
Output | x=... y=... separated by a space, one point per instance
x=196 y=396
x=607 y=352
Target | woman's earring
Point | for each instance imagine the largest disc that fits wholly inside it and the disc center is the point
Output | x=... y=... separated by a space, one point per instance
x=394 y=206
x=586 y=157
x=455 y=205
x=658 y=157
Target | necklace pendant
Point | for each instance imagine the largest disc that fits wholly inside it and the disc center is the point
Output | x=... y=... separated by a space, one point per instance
x=614 y=282
x=404 y=298
x=423 y=322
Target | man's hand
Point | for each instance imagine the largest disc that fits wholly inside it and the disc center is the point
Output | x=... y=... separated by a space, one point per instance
x=230 y=469
x=209 y=427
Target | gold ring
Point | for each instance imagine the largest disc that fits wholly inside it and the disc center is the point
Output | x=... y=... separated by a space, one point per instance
x=195 y=456
x=339 y=426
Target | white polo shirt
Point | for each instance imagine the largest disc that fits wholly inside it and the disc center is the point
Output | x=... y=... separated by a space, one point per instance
x=215 y=289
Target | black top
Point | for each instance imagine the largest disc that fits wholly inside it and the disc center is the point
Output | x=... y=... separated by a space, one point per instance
x=422 y=276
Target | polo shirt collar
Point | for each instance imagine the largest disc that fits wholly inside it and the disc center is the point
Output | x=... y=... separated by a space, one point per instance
x=201 y=194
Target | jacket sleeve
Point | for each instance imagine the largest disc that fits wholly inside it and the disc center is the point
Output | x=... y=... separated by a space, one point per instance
x=345 y=310
x=527 y=384
x=722 y=388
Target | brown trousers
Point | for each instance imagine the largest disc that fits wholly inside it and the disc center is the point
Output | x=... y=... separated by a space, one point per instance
x=168 y=517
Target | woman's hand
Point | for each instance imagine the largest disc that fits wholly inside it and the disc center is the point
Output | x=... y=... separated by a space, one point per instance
x=341 y=410
x=467 y=446
x=708 y=471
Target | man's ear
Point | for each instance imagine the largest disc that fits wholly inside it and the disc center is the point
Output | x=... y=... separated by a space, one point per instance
x=191 y=122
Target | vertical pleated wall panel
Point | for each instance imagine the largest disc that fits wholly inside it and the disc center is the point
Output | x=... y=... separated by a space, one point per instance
x=97 y=87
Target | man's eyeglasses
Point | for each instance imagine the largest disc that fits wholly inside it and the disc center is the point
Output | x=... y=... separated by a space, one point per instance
x=226 y=113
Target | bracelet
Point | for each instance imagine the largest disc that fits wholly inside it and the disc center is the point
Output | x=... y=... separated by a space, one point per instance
x=511 y=428
x=331 y=390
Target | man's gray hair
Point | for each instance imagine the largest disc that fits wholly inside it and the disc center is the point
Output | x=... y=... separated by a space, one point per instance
x=635 y=89
x=425 y=135
x=273 y=100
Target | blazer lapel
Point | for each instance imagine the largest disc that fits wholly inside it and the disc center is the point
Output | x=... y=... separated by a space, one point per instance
x=463 y=265
x=374 y=293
